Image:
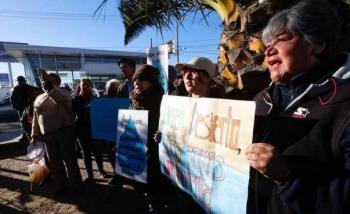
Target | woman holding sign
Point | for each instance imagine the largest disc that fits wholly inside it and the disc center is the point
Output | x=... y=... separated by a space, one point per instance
x=147 y=95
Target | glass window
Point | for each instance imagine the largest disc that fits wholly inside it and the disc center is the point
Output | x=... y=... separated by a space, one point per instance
x=17 y=70
x=34 y=60
x=60 y=58
x=48 y=62
x=66 y=78
x=97 y=59
x=110 y=59
x=4 y=75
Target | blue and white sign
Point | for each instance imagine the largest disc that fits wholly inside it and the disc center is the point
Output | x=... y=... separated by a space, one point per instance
x=159 y=58
x=131 y=160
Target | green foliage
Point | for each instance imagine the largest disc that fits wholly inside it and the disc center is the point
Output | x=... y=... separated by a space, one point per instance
x=160 y=14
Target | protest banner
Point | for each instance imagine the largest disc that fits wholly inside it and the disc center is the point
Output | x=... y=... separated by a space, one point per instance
x=158 y=57
x=202 y=149
x=131 y=160
x=104 y=117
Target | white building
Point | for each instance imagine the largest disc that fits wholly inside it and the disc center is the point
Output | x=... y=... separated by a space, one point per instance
x=70 y=63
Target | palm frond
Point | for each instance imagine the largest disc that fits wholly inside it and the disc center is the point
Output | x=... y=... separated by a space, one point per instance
x=138 y=15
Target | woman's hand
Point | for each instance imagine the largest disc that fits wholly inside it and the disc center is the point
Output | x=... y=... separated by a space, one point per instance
x=157 y=137
x=259 y=156
x=267 y=160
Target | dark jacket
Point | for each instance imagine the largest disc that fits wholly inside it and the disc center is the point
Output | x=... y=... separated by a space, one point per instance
x=122 y=91
x=308 y=122
x=150 y=100
x=81 y=108
x=19 y=96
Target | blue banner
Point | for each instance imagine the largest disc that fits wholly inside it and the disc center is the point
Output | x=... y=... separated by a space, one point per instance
x=104 y=117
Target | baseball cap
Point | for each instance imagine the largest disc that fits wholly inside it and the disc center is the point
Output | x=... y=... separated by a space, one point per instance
x=200 y=63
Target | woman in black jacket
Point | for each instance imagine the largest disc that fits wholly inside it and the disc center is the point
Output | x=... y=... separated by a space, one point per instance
x=147 y=95
x=81 y=105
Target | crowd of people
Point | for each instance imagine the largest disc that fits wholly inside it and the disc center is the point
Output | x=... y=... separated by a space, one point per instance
x=300 y=155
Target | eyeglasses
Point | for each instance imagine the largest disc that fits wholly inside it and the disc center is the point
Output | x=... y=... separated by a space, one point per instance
x=281 y=37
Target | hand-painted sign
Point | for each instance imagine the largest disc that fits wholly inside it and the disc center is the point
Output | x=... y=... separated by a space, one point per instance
x=202 y=149
x=104 y=117
x=158 y=57
x=131 y=161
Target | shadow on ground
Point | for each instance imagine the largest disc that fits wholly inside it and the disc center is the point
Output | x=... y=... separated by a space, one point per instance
x=16 y=197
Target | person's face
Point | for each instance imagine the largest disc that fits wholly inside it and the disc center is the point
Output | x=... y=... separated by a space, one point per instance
x=126 y=70
x=85 y=88
x=288 y=55
x=195 y=80
x=141 y=85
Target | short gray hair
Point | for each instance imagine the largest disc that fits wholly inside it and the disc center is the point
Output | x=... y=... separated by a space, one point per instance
x=316 y=20
x=112 y=82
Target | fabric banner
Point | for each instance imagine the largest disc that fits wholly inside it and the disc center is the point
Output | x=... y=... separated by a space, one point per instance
x=202 y=149
x=159 y=58
x=104 y=117
x=131 y=160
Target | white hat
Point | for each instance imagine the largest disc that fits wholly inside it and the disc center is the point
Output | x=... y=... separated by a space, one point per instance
x=199 y=63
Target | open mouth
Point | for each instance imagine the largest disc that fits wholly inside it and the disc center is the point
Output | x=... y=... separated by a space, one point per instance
x=189 y=84
x=274 y=62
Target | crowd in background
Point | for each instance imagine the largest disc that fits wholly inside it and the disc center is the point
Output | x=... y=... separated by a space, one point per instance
x=300 y=155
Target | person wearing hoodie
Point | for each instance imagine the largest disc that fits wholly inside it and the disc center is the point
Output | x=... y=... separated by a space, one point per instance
x=300 y=158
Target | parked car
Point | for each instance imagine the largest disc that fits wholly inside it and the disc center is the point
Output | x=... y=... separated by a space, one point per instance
x=5 y=101
x=6 y=109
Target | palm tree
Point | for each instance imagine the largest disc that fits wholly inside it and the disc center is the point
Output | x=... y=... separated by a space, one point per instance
x=241 y=48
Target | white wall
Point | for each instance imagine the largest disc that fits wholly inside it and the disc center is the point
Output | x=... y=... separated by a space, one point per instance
x=102 y=69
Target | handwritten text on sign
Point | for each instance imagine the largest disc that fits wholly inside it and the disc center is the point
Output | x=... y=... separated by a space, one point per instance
x=202 y=140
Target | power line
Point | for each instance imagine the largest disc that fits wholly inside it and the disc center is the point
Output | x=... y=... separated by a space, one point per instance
x=54 y=15
x=204 y=40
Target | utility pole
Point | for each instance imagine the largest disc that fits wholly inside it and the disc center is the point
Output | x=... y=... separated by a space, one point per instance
x=151 y=42
x=177 y=42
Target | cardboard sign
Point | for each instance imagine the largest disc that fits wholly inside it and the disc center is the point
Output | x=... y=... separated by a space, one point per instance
x=202 y=149
x=131 y=160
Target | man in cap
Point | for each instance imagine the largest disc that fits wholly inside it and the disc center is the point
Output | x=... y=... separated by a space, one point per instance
x=19 y=100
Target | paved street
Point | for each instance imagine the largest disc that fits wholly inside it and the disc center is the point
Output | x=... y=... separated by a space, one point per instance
x=9 y=130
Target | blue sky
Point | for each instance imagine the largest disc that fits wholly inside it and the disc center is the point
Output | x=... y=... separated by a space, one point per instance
x=33 y=22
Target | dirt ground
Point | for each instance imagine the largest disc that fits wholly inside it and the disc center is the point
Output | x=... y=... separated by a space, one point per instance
x=15 y=195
